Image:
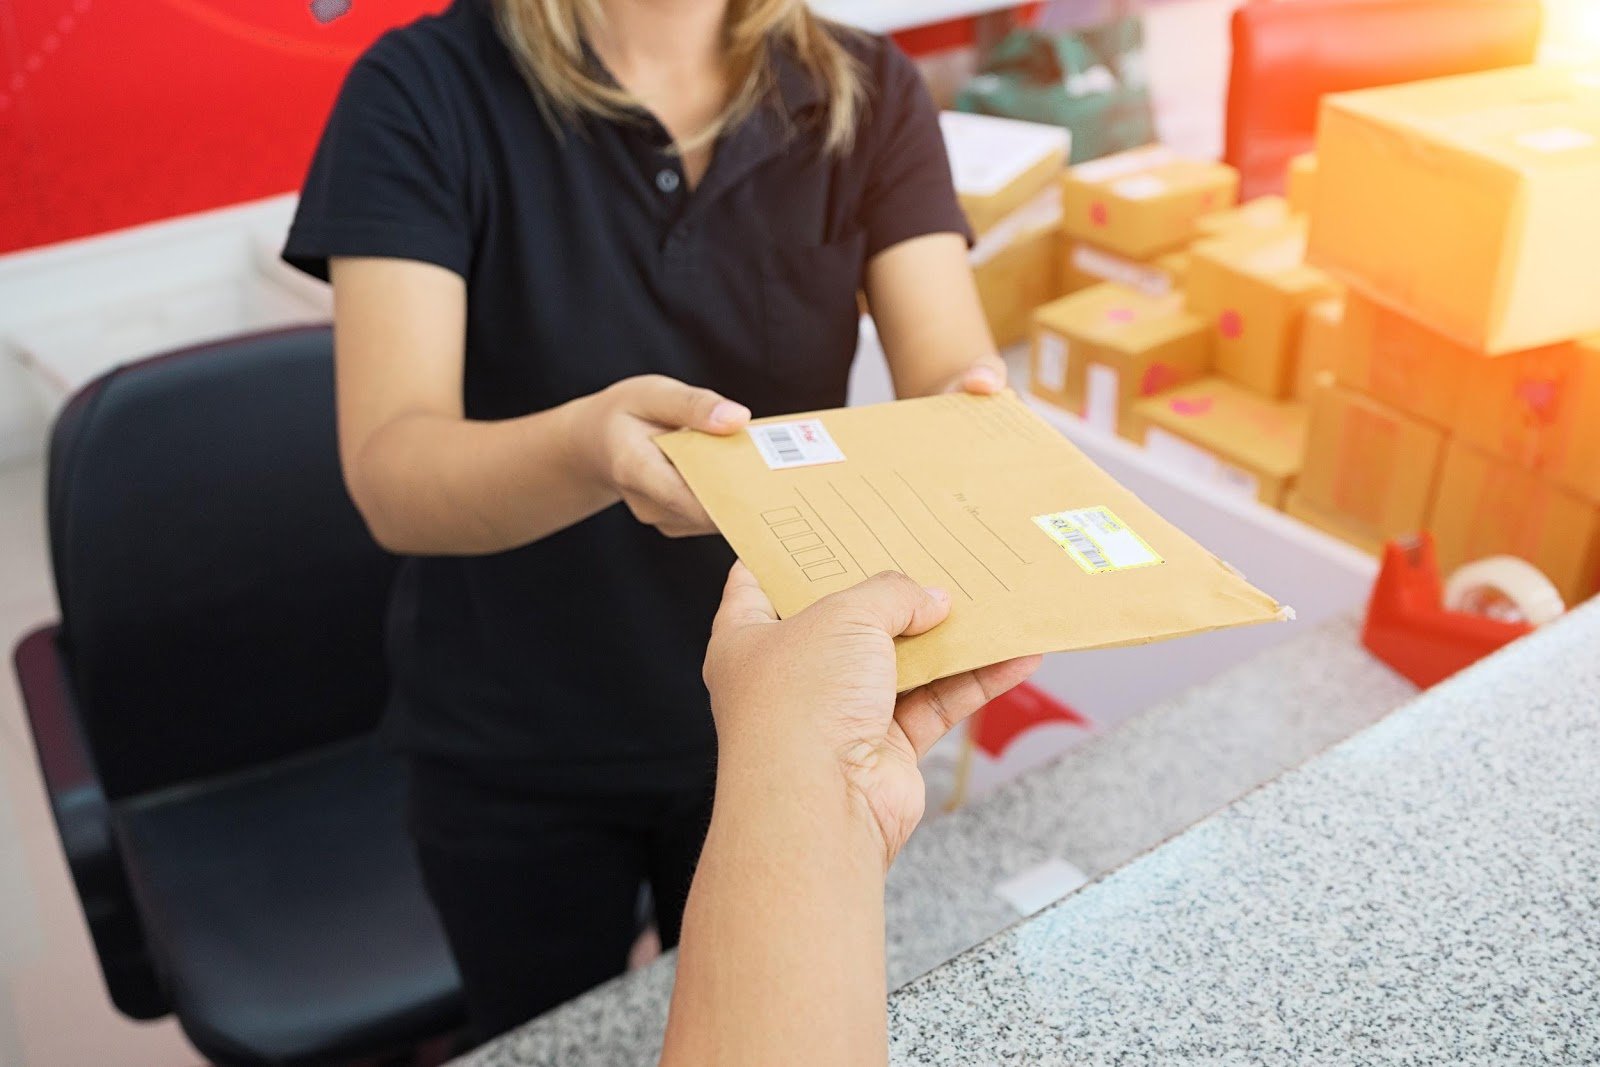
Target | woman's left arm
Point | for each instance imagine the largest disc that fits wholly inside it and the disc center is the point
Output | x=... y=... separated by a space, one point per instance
x=925 y=303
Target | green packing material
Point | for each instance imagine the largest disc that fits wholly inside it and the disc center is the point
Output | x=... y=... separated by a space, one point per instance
x=1090 y=80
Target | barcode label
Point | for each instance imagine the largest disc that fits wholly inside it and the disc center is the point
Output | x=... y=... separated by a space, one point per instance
x=802 y=443
x=1097 y=540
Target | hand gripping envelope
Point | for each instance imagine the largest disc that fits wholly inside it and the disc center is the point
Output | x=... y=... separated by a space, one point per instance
x=1040 y=550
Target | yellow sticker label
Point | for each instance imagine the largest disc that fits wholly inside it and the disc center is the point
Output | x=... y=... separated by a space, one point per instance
x=1097 y=540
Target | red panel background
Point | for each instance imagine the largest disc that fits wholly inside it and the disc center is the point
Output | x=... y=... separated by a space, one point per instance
x=117 y=112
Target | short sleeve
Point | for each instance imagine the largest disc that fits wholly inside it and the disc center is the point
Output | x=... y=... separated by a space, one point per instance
x=381 y=182
x=909 y=191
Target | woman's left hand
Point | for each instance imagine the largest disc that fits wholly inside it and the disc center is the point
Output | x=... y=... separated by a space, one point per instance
x=984 y=378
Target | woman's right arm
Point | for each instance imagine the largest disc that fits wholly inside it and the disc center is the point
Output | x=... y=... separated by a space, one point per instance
x=429 y=481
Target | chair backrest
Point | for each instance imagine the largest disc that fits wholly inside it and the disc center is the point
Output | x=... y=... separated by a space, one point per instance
x=222 y=603
x=1288 y=53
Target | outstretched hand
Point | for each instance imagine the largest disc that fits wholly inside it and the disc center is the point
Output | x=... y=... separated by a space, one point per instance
x=824 y=682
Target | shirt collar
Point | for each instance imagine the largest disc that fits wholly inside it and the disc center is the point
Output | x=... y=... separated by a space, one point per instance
x=798 y=88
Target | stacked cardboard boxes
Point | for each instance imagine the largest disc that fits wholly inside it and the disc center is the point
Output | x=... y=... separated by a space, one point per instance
x=1461 y=213
x=1126 y=218
x=1006 y=175
x=1220 y=434
x=1205 y=371
x=1099 y=351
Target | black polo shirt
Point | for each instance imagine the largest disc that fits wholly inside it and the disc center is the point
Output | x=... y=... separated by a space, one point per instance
x=575 y=661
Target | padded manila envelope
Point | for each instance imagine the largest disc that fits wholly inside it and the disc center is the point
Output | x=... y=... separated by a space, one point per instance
x=1040 y=550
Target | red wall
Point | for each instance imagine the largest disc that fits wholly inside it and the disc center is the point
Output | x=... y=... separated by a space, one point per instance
x=117 y=112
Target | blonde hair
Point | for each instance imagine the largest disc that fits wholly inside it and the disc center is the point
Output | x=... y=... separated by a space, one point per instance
x=546 y=37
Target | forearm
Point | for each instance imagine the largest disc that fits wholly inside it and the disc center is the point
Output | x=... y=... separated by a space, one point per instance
x=781 y=959
x=925 y=304
x=432 y=484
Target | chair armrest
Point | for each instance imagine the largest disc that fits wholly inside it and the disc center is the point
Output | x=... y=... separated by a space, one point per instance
x=83 y=821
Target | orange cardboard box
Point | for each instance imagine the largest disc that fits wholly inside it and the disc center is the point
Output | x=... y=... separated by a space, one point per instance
x=1098 y=351
x=1369 y=467
x=1142 y=203
x=1084 y=264
x=1488 y=507
x=1015 y=282
x=1296 y=506
x=1263 y=214
x=1468 y=202
x=1321 y=344
x=1017 y=267
x=999 y=165
x=1541 y=410
x=1216 y=433
x=1254 y=291
x=1302 y=182
x=1403 y=363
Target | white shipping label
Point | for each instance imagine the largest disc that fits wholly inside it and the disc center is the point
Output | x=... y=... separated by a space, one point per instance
x=1102 y=397
x=1555 y=139
x=1103 y=170
x=1182 y=457
x=1113 y=268
x=1052 y=368
x=1097 y=540
x=989 y=153
x=1277 y=256
x=1140 y=187
x=1039 y=887
x=802 y=443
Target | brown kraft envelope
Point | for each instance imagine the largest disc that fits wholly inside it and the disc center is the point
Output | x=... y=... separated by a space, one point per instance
x=1039 y=549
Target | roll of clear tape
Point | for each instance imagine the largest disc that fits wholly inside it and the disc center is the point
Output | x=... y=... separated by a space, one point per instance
x=1504 y=588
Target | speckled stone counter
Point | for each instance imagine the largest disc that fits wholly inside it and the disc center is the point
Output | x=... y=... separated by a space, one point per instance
x=1096 y=808
x=1426 y=893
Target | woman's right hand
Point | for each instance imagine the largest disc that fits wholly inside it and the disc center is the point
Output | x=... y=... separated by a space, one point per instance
x=612 y=434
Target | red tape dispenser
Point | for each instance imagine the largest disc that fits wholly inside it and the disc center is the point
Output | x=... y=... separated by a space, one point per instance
x=1428 y=630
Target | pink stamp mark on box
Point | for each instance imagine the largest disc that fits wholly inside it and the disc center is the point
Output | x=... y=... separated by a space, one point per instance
x=1192 y=405
x=1158 y=378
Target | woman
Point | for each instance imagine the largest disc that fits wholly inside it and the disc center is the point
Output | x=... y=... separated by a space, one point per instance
x=555 y=229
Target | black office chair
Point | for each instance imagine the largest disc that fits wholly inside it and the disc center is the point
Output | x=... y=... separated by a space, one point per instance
x=204 y=714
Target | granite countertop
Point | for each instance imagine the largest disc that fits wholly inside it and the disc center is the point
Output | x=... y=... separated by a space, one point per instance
x=1096 y=808
x=1426 y=893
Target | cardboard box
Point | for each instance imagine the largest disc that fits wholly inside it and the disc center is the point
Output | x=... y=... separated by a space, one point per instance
x=1098 y=351
x=1403 y=363
x=1296 y=506
x=1017 y=267
x=1264 y=214
x=1218 y=434
x=1302 y=182
x=1489 y=507
x=1369 y=467
x=1468 y=202
x=1018 y=280
x=1321 y=345
x=1145 y=202
x=999 y=165
x=1541 y=410
x=1084 y=264
x=1253 y=291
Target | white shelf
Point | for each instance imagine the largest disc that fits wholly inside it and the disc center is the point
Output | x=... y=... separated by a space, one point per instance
x=885 y=16
x=71 y=312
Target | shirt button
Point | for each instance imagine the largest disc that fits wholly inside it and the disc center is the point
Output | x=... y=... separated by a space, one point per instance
x=667 y=180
